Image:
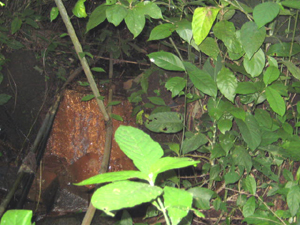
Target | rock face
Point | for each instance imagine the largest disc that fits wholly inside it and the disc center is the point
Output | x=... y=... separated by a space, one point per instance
x=75 y=149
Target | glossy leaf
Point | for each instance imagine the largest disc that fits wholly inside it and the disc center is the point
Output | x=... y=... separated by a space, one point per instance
x=201 y=79
x=272 y=73
x=249 y=207
x=79 y=9
x=295 y=71
x=256 y=64
x=227 y=83
x=252 y=38
x=166 y=60
x=250 y=131
x=97 y=17
x=115 y=14
x=276 y=102
x=113 y=176
x=265 y=12
x=178 y=203
x=16 y=217
x=139 y=147
x=175 y=85
x=161 y=31
x=135 y=21
x=54 y=13
x=166 y=122
x=184 y=30
x=118 y=195
x=203 y=20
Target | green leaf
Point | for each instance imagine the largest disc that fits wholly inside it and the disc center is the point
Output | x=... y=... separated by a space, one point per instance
x=161 y=31
x=118 y=195
x=166 y=122
x=157 y=100
x=79 y=9
x=263 y=165
x=178 y=203
x=16 y=25
x=292 y=150
x=169 y=163
x=138 y=146
x=203 y=20
x=252 y=38
x=261 y=220
x=114 y=103
x=272 y=73
x=202 y=197
x=113 y=176
x=97 y=17
x=231 y=178
x=295 y=71
x=32 y=23
x=135 y=21
x=210 y=47
x=250 y=184
x=249 y=207
x=265 y=13
x=201 y=79
x=184 y=30
x=191 y=144
x=54 y=13
x=98 y=69
x=250 y=131
x=288 y=175
x=256 y=64
x=241 y=157
x=246 y=88
x=115 y=14
x=16 y=217
x=291 y=4
x=224 y=125
x=276 y=102
x=175 y=85
x=4 y=98
x=116 y=117
x=166 y=60
x=225 y=31
x=283 y=49
x=293 y=199
x=227 y=83
x=149 y=8
x=87 y=98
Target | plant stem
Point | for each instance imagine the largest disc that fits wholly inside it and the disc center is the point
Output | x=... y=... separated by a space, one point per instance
x=164 y=211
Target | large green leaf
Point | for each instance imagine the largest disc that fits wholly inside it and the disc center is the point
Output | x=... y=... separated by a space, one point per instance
x=293 y=199
x=202 y=197
x=178 y=203
x=250 y=131
x=261 y=219
x=169 y=163
x=175 y=85
x=295 y=71
x=161 y=31
x=17 y=217
x=149 y=8
x=252 y=38
x=283 y=49
x=97 y=17
x=295 y=4
x=113 y=176
x=272 y=73
x=166 y=122
x=246 y=88
x=250 y=184
x=123 y=194
x=166 y=60
x=292 y=150
x=139 y=147
x=201 y=79
x=241 y=157
x=264 y=119
x=249 y=207
x=225 y=31
x=265 y=13
x=256 y=64
x=79 y=9
x=135 y=21
x=203 y=20
x=276 y=102
x=184 y=30
x=116 y=13
x=227 y=83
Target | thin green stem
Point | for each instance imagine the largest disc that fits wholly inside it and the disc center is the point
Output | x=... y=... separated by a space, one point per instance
x=164 y=211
